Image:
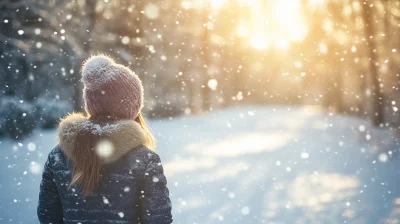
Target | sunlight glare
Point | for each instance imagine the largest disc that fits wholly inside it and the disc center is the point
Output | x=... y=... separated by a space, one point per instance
x=282 y=44
x=259 y=41
x=252 y=143
x=242 y=31
x=186 y=4
x=316 y=2
x=285 y=23
x=215 y=4
x=298 y=32
x=286 y=10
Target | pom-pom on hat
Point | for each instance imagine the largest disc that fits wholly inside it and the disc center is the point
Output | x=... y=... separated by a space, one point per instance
x=111 y=89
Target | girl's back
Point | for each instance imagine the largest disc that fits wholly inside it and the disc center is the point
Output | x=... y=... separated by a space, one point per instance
x=102 y=172
x=124 y=202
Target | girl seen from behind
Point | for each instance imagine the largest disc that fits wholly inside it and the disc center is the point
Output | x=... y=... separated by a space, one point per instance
x=103 y=169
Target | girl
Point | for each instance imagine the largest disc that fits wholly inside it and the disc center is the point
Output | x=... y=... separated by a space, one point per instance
x=102 y=170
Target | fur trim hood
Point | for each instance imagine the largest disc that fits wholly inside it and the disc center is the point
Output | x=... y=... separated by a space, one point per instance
x=124 y=135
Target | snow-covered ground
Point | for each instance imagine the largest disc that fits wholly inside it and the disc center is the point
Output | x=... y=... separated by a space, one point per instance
x=248 y=165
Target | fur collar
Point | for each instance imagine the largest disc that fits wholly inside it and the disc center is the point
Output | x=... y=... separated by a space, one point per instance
x=124 y=135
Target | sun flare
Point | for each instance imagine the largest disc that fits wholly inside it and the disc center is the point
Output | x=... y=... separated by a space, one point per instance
x=276 y=24
x=216 y=3
x=259 y=41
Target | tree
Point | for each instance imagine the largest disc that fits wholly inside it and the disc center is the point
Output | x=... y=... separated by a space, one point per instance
x=376 y=93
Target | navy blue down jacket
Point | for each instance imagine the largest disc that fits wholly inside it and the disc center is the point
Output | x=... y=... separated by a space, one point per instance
x=132 y=189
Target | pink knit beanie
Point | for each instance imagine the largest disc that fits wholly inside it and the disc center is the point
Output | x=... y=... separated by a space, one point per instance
x=111 y=89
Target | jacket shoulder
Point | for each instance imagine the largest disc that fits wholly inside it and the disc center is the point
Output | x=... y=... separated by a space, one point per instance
x=144 y=154
x=140 y=158
x=56 y=157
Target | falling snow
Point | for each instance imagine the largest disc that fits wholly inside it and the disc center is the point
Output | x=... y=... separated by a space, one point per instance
x=263 y=111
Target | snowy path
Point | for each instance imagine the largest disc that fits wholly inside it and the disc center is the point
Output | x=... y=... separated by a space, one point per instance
x=249 y=165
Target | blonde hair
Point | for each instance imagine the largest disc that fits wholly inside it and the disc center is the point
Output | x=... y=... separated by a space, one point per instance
x=87 y=164
x=151 y=141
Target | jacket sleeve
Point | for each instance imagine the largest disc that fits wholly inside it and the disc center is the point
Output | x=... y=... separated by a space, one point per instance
x=49 y=209
x=155 y=203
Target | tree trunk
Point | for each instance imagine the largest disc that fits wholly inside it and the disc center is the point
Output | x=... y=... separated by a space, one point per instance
x=77 y=87
x=90 y=24
x=205 y=91
x=376 y=94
